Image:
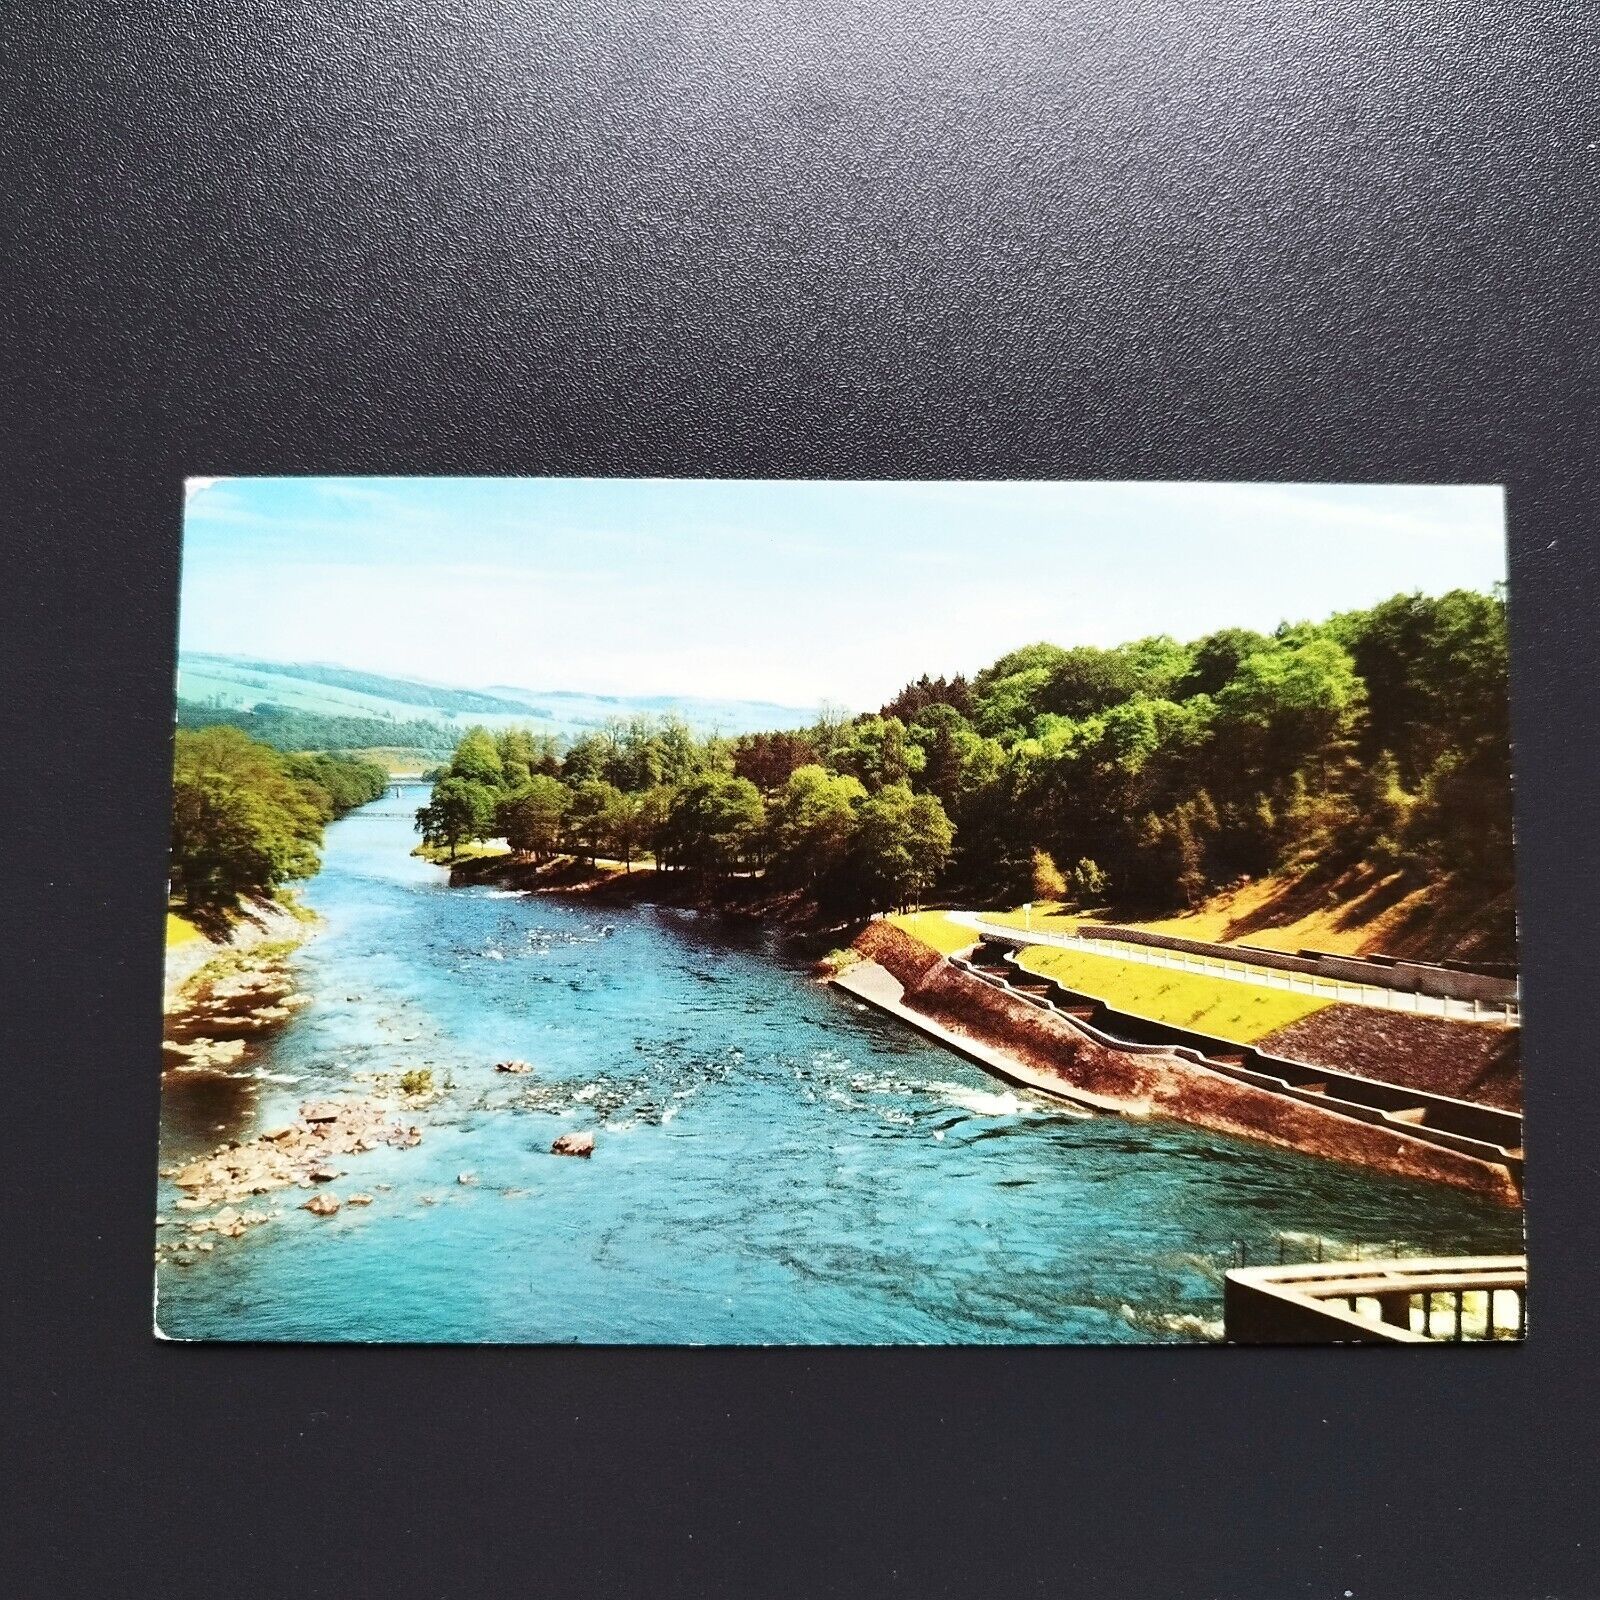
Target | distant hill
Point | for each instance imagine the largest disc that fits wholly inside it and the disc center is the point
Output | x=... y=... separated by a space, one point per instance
x=369 y=686
x=297 y=692
x=704 y=715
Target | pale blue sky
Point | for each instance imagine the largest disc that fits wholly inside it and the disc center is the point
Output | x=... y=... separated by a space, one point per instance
x=795 y=592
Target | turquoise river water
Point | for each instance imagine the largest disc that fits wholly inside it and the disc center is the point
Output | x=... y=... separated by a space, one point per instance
x=774 y=1164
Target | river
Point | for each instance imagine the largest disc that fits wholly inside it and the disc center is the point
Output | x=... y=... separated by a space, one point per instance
x=774 y=1164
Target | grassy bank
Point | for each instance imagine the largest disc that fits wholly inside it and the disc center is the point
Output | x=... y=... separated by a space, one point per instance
x=1241 y=1012
x=935 y=928
x=197 y=956
x=1359 y=912
x=1356 y=912
x=442 y=857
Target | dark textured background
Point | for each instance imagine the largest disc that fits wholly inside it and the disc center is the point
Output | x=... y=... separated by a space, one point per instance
x=1291 y=240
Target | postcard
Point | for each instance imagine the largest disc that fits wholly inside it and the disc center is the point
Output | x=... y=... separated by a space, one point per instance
x=693 y=912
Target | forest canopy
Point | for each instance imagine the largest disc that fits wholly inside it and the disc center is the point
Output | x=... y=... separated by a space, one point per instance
x=1155 y=772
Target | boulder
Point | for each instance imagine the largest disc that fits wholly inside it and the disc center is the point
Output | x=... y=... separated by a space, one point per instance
x=322 y=1111
x=466 y=1177
x=322 y=1205
x=516 y=1067
x=573 y=1144
x=359 y=1200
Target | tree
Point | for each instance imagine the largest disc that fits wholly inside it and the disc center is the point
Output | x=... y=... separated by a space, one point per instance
x=458 y=810
x=948 y=745
x=345 y=781
x=1216 y=658
x=590 y=815
x=242 y=823
x=1048 y=883
x=813 y=822
x=532 y=816
x=624 y=822
x=875 y=750
x=1087 y=680
x=1089 y=883
x=715 y=823
x=926 y=692
x=1006 y=706
x=477 y=759
x=767 y=759
x=585 y=760
x=902 y=844
x=1291 y=706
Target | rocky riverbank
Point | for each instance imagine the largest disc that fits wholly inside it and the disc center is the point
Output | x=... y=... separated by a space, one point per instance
x=218 y=995
x=305 y=1153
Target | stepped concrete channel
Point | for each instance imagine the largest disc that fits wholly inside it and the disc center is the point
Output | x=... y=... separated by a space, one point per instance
x=1150 y=1068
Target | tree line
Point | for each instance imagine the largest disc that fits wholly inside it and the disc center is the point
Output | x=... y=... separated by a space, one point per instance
x=289 y=729
x=247 y=819
x=1156 y=772
x=714 y=807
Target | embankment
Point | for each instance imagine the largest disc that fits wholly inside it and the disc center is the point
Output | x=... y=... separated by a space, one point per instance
x=1155 y=1079
x=220 y=993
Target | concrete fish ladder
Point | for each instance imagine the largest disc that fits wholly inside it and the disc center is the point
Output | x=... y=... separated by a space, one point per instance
x=1151 y=1079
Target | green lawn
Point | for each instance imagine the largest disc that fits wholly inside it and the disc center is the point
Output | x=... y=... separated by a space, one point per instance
x=1046 y=917
x=936 y=929
x=438 y=854
x=1242 y=1012
x=180 y=931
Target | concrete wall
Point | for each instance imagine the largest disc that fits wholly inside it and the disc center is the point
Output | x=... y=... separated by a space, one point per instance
x=1154 y=1078
x=1411 y=976
x=1486 y=1124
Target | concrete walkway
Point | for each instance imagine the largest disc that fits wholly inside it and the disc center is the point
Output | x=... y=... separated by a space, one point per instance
x=1353 y=994
x=869 y=982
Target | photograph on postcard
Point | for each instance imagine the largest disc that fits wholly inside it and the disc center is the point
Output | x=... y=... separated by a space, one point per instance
x=818 y=912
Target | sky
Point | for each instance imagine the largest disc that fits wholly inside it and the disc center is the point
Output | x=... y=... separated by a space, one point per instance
x=796 y=592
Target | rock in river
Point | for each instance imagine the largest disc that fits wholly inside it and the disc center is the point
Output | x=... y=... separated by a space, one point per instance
x=322 y=1205
x=573 y=1144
